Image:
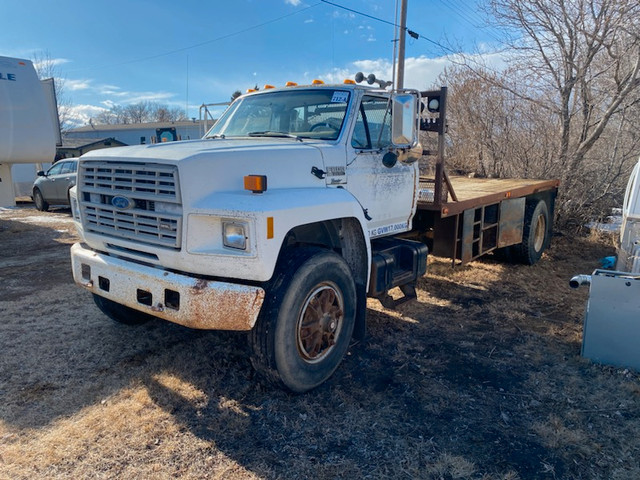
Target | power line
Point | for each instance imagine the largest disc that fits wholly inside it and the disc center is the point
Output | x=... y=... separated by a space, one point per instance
x=411 y=33
x=469 y=16
x=416 y=35
x=464 y=11
x=207 y=42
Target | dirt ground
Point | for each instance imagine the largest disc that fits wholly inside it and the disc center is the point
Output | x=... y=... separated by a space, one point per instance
x=481 y=378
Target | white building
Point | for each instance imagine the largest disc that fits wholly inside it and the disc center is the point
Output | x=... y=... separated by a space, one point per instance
x=141 y=133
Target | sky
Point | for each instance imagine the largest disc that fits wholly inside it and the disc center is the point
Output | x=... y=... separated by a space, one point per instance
x=184 y=54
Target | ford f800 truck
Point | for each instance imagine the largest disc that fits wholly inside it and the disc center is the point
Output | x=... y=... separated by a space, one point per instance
x=296 y=206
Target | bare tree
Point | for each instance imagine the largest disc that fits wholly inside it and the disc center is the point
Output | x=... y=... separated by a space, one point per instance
x=493 y=132
x=567 y=97
x=585 y=53
x=115 y=115
x=163 y=113
x=46 y=67
x=141 y=112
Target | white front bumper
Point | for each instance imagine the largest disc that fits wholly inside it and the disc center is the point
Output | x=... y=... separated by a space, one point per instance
x=203 y=304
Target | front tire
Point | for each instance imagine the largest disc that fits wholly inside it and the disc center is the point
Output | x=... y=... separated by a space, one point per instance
x=39 y=200
x=305 y=326
x=120 y=313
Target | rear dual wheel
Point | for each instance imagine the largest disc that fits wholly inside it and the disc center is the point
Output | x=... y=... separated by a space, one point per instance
x=306 y=323
x=536 y=236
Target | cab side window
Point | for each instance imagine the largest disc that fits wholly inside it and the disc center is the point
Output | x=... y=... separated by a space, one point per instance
x=373 y=125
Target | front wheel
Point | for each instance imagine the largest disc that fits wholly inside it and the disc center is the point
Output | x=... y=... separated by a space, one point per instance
x=305 y=326
x=38 y=199
x=120 y=313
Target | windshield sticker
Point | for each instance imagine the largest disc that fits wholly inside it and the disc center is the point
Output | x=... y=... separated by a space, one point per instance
x=340 y=97
x=335 y=171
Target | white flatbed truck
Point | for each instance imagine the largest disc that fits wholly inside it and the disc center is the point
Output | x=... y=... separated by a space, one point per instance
x=298 y=204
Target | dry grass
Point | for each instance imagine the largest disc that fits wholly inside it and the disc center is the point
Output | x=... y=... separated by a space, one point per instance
x=480 y=379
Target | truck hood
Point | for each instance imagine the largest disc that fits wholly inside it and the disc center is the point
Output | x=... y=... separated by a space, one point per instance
x=217 y=165
x=174 y=152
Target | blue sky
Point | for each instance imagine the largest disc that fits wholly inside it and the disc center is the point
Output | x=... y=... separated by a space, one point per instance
x=187 y=53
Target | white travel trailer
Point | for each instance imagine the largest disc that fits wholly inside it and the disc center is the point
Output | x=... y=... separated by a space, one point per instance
x=629 y=249
x=29 y=128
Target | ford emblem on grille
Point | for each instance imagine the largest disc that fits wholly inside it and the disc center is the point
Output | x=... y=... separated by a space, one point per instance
x=121 y=203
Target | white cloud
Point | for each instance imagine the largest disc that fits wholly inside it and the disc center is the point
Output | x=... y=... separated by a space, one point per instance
x=108 y=89
x=135 y=97
x=344 y=15
x=77 y=84
x=79 y=115
x=54 y=62
x=309 y=20
x=123 y=97
x=420 y=72
x=295 y=3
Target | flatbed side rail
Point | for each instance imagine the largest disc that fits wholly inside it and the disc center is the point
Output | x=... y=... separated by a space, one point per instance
x=476 y=192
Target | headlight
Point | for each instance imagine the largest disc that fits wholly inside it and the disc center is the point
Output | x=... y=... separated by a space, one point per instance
x=234 y=235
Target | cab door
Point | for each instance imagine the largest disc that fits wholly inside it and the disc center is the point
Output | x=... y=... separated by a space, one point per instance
x=386 y=193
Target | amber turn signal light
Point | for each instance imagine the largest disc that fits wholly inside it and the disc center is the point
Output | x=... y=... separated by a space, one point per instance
x=255 y=183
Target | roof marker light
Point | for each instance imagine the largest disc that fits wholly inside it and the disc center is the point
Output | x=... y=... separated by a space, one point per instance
x=267 y=87
x=317 y=82
x=251 y=90
x=291 y=84
x=348 y=81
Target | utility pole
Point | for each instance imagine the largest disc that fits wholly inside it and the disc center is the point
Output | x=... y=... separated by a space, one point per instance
x=401 y=43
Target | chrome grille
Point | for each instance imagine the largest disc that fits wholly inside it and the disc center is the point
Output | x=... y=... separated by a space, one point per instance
x=145 y=181
x=154 y=212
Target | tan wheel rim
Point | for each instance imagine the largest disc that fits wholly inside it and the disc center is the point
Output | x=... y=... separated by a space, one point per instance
x=539 y=233
x=320 y=322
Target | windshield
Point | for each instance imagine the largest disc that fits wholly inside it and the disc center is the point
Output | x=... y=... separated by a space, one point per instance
x=313 y=113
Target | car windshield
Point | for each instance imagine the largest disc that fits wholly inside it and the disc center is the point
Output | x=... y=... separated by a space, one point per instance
x=312 y=113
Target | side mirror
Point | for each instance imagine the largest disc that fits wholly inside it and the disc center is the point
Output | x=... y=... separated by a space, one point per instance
x=40 y=173
x=404 y=133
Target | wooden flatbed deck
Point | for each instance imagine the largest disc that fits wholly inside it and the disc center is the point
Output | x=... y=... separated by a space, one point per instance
x=474 y=192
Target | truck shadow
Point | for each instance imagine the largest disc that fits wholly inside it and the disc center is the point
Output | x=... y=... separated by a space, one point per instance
x=433 y=377
x=412 y=391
